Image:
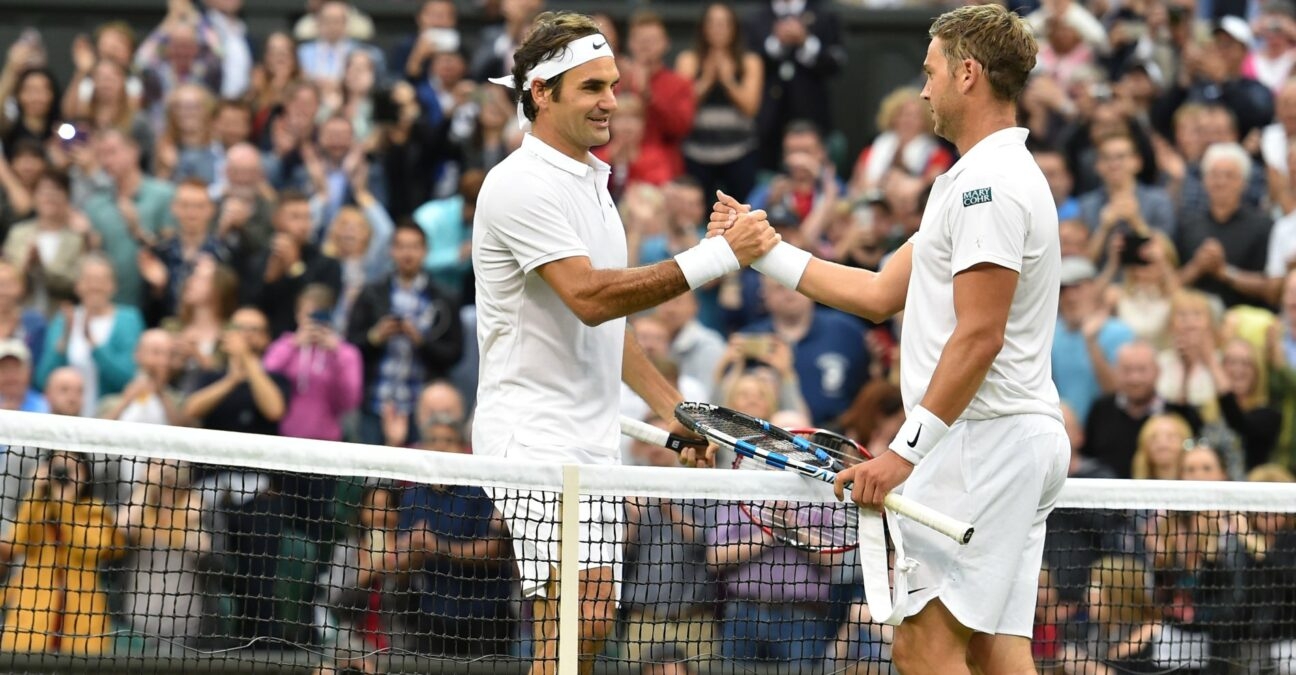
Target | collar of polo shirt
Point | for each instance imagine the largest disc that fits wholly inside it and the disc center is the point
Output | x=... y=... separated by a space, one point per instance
x=573 y=166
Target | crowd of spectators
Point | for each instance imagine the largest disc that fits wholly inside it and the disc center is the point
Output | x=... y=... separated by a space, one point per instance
x=272 y=234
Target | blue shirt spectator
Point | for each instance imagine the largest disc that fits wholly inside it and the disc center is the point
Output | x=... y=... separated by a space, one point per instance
x=828 y=350
x=1085 y=331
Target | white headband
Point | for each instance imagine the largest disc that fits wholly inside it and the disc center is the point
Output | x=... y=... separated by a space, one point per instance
x=577 y=52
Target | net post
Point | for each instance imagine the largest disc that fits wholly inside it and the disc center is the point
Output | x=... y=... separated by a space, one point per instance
x=569 y=573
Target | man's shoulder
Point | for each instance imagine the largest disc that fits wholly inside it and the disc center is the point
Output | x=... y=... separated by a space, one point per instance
x=1116 y=332
x=1255 y=219
x=1153 y=193
x=156 y=188
x=995 y=184
x=520 y=177
x=1103 y=405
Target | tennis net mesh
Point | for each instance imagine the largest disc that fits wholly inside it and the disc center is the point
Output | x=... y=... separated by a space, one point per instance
x=143 y=549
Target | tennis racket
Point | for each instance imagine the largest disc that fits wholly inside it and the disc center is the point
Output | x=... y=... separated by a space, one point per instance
x=757 y=439
x=821 y=527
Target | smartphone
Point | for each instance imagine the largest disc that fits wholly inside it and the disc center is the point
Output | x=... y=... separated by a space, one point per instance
x=385 y=110
x=444 y=39
x=322 y=316
x=1132 y=253
x=756 y=345
x=70 y=134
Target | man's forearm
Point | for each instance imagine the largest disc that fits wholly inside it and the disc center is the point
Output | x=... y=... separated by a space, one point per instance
x=265 y=393
x=1253 y=284
x=612 y=294
x=206 y=399
x=1101 y=368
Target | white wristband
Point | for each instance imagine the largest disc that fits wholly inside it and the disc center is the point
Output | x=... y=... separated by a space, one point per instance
x=921 y=431
x=784 y=263
x=711 y=259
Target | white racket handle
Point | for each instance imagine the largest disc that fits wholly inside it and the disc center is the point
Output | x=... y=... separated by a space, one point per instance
x=643 y=431
x=953 y=528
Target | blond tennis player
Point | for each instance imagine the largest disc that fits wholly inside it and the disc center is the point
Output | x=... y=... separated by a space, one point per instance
x=983 y=438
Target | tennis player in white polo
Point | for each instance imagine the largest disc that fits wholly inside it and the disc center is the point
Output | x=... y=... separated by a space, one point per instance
x=549 y=254
x=983 y=438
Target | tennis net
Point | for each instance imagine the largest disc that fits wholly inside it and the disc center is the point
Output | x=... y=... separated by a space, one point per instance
x=148 y=549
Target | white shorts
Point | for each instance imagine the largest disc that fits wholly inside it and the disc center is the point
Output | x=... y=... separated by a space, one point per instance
x=1002 y=475
x=532 y=519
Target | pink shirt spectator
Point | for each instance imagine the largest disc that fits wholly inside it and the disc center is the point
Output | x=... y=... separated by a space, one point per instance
x=326 y=385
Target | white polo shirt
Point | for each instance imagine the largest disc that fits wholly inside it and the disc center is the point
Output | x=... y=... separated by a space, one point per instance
x=549 y=386
x=992 y=206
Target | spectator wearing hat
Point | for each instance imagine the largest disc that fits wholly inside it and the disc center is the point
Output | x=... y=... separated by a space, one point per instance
x=1215 y=74
x=1225 y=246
x=16 y=392
x=1087 y=338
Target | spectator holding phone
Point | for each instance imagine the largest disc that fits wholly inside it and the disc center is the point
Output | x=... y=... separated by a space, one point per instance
x=325 y=370
x=1122 y=204
x=436 y=22
x=1149 y=269
x=407 y=329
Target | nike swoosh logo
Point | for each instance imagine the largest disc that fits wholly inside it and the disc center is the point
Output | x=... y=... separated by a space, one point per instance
x=914 y=442
x=599 y=46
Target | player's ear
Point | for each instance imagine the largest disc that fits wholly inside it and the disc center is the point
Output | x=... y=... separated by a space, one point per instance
x=540 y=94
x=969 y=74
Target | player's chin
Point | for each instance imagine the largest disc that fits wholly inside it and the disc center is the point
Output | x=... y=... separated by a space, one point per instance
x=599 y=135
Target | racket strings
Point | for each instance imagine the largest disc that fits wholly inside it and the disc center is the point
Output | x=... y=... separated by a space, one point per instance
x=813 y=526
x=750 y=431
x=819 y=527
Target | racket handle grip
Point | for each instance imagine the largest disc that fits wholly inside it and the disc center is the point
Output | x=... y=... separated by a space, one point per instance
x=642 y=431
x=953 y=528
x=647 y=433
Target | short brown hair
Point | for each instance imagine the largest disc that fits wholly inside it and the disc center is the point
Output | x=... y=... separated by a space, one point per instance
x=994 y=37
x=645 y=17
x=550 y=34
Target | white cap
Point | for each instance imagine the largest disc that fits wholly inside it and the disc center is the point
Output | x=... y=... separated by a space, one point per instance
x=1236 y=28
x=14 y=348
x=1077 y=268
